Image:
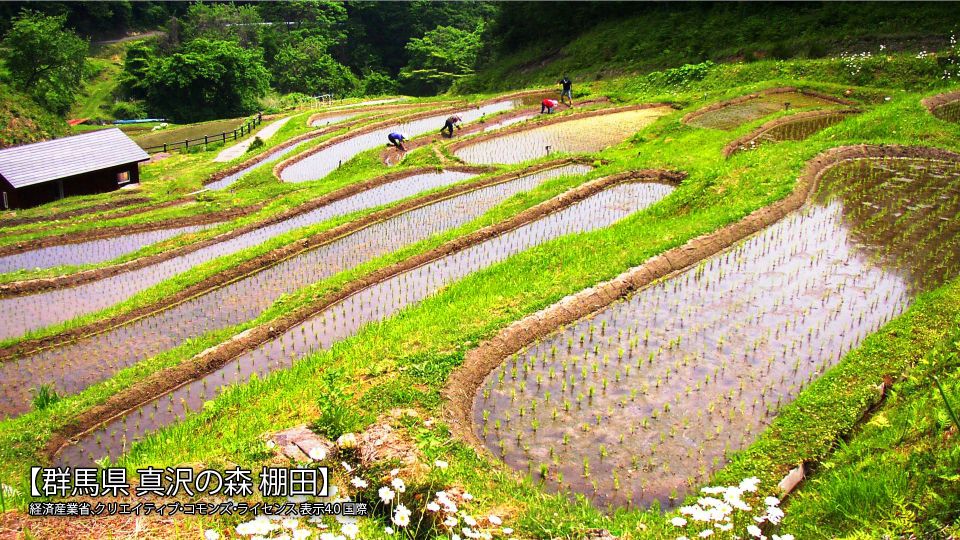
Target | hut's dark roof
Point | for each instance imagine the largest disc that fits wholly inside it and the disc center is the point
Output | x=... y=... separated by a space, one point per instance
x=49 y=160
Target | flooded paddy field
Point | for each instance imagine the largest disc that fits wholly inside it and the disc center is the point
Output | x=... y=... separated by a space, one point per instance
x=274 y=156
x=649 y=396
x=794 y=128
x=74 y=366
x=370 y=304
x=949 y=112
x=576 y=135
x=91 y=252
x=735 y=114
x=324 y=162
x=22 y=313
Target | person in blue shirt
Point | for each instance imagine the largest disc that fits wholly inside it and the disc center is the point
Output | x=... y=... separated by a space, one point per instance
x=396 y=139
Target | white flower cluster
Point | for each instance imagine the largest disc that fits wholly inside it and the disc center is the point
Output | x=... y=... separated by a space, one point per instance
x=854 y=62
x=716 y=510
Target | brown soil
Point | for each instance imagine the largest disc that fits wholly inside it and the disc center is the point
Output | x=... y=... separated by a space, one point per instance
x=464 y=382
x=279 y=167
x=553 y=119
x=389 y=108
x=476 y=127
x=253 y=265
x=215 y=357
x=737 y=144
x=932 y=103
x=113 y=232
x=781 y=90
x=14 y=221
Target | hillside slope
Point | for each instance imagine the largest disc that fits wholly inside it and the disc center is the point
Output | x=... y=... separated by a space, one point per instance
x=660 y=37
x=23 y=121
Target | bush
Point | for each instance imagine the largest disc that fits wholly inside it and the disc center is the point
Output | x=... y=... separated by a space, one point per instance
x=128 y=110
x=336 y=415
x=255 y=144
x=376 y=83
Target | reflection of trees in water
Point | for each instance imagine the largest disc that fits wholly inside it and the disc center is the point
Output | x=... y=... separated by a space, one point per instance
x=902 y=213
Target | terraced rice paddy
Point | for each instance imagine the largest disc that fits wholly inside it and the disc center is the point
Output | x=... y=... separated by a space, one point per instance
x=94 y=251
x=75 y=366
x=796 y=130
x=327 y=160
x=371 y=304
x=949 y=112
x=330 y=120
x=22 y=313
x=733 y=115
x=509 y=121
x=575 y=135
x=643 y=400
x=231 y=179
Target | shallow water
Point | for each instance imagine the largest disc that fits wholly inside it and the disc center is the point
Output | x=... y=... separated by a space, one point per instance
x=374 y=303
x=797 y=130
x=73 y=367
x=229 y=180
x=732 y=116
x=646 y=399
x=94 y=251
x=326 y=161
x=329 y=120
x=22 y=313
x=577 y=135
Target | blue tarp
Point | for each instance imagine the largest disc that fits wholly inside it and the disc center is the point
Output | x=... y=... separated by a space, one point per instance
x=143 y=121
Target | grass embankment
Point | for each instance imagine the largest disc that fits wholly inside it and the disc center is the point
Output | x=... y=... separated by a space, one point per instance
x=22 y=121
x=404 y=361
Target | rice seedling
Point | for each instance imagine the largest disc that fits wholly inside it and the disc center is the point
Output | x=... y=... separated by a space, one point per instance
x=566 y=136
x=386 y=298
x=91 y=359
x=838 y=269
x=733 y=115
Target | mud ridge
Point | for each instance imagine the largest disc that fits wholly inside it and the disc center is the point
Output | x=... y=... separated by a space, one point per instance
x=116 y=232
x=477 y=127
x=741 y=142
x=465 y=381
x=214 y=358
x=555 y=119
x=932 y=103
x=779 y=90
x=379 y=109
x=281 y=254
x=279 y=167
x=15 y=221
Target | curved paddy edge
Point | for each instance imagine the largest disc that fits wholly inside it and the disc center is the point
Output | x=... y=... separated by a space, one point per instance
x=275 y=256
x=214 y=358
x=464 y=382
x=737 y=144
x=932 y=103
x=741 y=99
x=526 y=126
x=281 y=166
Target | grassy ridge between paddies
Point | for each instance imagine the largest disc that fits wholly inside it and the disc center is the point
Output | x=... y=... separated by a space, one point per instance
x=405 y=360
x=257 y=187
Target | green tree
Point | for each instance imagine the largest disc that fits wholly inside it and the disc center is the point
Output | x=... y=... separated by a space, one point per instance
x=136 y=67
x=442 y=56
x=45 y=60
x=223 y=22
x=306 y=67
x=377 y=83
x=207 y=79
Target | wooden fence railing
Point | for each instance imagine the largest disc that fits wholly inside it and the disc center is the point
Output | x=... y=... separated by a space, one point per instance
x=246 y=128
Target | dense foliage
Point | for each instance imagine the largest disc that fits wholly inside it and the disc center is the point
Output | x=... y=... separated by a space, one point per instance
x=44 y=59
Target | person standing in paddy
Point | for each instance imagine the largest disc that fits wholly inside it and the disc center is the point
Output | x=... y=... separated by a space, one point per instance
x=454 y=120
x=566 y=89
x=396 y=140
x=548 y=105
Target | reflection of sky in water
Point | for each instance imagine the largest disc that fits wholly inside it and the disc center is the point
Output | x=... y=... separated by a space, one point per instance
x=383 y=299
x=710 y=355
x=583 y=135
x=324 y=162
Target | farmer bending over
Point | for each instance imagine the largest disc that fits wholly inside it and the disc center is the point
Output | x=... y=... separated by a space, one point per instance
x=566 y=90
x=454 y=120
x=396 y=139
x=548 y=105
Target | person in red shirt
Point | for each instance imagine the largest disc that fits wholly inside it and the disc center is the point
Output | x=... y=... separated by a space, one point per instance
x=548 y=105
